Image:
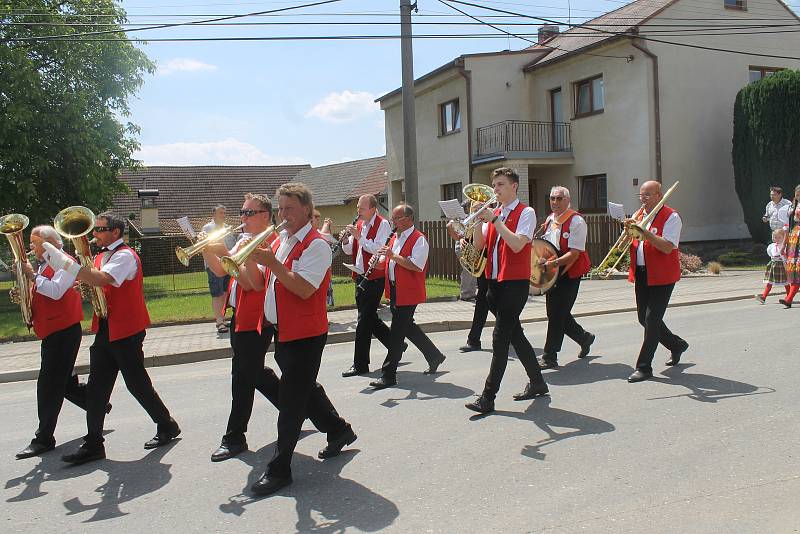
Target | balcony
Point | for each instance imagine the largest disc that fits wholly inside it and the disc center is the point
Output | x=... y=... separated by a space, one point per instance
x=523 y=140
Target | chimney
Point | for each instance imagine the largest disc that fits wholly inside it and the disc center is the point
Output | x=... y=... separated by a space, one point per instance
x=149 y=210
x=547 y=31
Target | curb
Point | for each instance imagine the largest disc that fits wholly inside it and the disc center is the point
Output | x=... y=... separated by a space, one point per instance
x=341 y=337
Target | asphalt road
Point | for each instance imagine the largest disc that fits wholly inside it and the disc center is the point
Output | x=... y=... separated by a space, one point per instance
x=710 y=446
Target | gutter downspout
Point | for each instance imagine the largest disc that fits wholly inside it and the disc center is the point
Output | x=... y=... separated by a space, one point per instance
x=468 y=77
x=656 y=105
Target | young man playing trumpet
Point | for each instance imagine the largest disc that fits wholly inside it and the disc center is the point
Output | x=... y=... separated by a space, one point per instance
x=118 y=341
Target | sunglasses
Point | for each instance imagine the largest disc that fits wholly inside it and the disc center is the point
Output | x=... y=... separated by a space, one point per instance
x=250 y=213
x=99 y=229
x=557 y=199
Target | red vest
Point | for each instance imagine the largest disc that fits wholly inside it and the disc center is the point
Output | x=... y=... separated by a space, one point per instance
x=249 y=312
x=127 y=313
x=53 y=315
x=373 y=231
x=409 y=285
x=300 y=318
x=512 y=265
x=662 y=269
x=580 y=266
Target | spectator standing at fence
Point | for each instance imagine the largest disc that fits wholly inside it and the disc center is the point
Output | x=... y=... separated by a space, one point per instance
x=325 y=231
x=118 y=338
x=776 y=213
x=776 y=268
x=218 y=285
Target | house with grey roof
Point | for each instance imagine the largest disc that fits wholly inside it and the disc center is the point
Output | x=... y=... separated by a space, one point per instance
x=643 y=92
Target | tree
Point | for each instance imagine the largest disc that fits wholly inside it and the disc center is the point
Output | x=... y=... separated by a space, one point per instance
x=766 y=144
x=62 y=100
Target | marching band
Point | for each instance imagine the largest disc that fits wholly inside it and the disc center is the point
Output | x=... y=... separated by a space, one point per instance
x=279 y=279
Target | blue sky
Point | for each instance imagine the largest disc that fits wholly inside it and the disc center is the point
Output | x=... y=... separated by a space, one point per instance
x=283 y=102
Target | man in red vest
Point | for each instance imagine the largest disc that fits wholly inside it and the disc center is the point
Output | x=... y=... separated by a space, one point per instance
x=370 y=233
x=406 y=259
x=507 y=234
x=566 y=230
x=655 y=267
x=298 y=271
x=57 y=315
x=118 y=339
x=249 y=337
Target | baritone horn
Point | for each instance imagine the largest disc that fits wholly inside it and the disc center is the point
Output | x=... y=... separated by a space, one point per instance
x=74 y=223
x=185 y=254
x=231 y=264
x=12 y=226
x=482 y=197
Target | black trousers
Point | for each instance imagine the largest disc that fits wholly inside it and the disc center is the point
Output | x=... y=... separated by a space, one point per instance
x=403 y=326
x=481 y=311
x=560 y=322
x=506 y=301
x=369 y=324
x=106 y=359
x=56 y=381
x=651 y=304
x=300 y=395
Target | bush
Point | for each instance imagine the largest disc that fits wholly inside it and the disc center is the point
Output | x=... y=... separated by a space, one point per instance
x=734 y=258
x=714 y=267
x=690 y=262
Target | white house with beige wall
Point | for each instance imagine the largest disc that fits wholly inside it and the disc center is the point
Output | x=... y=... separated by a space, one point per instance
x=600 y=108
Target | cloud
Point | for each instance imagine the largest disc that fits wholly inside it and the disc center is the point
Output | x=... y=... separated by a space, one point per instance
x=344 y=107
x=226 y=152
x=184 y=64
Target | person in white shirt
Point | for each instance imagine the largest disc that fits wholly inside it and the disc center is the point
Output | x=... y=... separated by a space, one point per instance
x=57 y=318
x=776 y=213
x=218 y=285
x=776 y=268
x=324 y=229
x=366 y=237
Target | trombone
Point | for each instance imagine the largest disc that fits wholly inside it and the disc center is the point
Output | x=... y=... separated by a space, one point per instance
x=185 y=254
x=231 y=264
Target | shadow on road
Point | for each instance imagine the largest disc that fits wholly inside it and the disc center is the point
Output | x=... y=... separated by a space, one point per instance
x=127 y=480
x=586 y=371
x=325 y=501
x=706 y=388
x=421 y=387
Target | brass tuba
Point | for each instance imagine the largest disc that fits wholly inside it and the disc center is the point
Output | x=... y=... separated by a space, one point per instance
x=185 y=254
x=74 y=223
x=231 y=264
x=482 y=197
x=12 y=226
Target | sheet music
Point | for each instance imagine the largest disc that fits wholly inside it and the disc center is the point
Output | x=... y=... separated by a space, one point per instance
x=355 y=268
x=452 y=209
x=186 y=226
x=617 y=211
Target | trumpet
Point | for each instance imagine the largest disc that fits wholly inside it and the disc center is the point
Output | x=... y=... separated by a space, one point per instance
x=344 y=234
x=12 y=226
x=185 y=254
x=231 y=264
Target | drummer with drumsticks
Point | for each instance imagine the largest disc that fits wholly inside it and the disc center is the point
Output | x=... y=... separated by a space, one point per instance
x=507 y=233
x=566 y=229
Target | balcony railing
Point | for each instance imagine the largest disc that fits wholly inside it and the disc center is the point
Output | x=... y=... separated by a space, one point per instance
x=524 y=136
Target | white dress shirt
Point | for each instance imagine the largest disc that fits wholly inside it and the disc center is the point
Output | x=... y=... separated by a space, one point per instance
x=577 y=232
x=419 y=252
x=370 y=245
x=671 y=232
x=525 y=227
x=232 y=296
x=120 y=265
x=312 y=265
x=55 y=287
x=778 y=214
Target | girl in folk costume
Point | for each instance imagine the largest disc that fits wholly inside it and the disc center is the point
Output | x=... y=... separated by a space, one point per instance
x=792 y=254
x=776 y=269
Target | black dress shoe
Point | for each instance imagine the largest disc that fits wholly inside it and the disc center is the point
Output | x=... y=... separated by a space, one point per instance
x=639 y=376
x=355 y=371
x=432 y=368
x=469 y=347
x=267 y=485
x=786 y=303
x=586 y=345
x=227 y=451
x=675 y=357
x=335 y=446
x=83 y=455
x=383 y=383
x=35 y=449
x=532 y=390
x=481 y=405
x=548 y=361
x=164 y=435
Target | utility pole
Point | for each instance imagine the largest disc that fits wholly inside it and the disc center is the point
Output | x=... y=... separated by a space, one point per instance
x=409 y=123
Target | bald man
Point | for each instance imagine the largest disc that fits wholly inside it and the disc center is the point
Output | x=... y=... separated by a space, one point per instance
x=655 y=268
